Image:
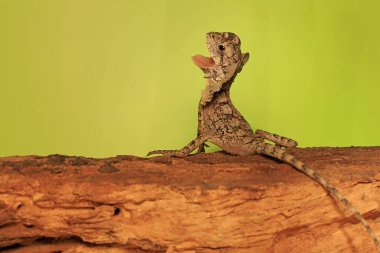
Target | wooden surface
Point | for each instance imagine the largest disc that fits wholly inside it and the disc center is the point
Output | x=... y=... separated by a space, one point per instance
x=203 y=203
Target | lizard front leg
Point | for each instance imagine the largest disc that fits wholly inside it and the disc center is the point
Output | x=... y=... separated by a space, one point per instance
x=201 y=148
x=201 y=128
x=197 y=142
x=277 y=139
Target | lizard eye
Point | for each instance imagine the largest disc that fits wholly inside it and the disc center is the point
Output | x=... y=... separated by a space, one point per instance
x=221 y=47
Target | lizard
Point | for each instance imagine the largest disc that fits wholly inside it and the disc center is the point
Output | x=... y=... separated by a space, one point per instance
x=219 y=122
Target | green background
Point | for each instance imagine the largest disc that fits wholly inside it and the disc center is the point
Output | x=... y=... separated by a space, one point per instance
x=101 y=78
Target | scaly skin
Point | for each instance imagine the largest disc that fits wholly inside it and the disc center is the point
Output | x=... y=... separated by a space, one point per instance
x=221 y=123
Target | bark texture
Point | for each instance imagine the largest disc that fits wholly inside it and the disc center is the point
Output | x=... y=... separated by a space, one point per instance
x=204 y=203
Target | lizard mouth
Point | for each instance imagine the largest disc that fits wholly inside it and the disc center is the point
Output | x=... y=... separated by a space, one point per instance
x=203 y=62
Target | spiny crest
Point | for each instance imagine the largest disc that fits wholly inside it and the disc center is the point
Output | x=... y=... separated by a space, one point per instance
x=222 y=37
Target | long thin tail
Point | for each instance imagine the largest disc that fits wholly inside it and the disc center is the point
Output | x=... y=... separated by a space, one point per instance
x=280 y=154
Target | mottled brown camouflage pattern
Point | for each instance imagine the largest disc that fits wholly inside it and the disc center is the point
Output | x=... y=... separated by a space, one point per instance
x=219 y=122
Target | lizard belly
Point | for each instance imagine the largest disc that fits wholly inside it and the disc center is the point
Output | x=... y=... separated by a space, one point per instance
x=227 y=128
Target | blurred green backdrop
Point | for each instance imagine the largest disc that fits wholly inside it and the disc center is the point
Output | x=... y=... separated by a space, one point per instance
x=101 y=78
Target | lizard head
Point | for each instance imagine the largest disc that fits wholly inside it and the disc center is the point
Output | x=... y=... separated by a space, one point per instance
x=224 y=48
x=225 y=62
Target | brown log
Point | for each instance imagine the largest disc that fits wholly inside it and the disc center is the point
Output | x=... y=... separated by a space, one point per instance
x=202 y=203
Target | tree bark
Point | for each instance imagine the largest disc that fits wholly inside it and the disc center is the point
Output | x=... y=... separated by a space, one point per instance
x=204 y=203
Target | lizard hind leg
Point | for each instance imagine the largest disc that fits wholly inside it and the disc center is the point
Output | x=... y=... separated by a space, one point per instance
x=277 y=139
x=185 y=151
x=282 y=155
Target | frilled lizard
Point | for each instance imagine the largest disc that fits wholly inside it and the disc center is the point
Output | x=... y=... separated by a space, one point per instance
x=219 y=122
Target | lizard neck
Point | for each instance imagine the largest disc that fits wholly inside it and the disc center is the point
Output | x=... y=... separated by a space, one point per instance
x=215 y=87
x=221 y=98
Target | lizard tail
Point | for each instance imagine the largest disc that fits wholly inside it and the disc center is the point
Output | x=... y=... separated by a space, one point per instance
x=280 y=154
